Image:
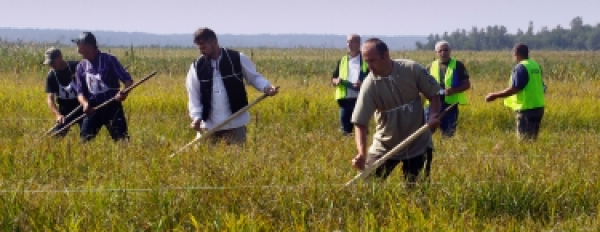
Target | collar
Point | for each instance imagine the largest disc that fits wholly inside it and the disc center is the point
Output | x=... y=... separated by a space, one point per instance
x=447 y=62
x=64 y=68
x=393 y=70
x=352 y=57
x=220 y=55
x=97 y=57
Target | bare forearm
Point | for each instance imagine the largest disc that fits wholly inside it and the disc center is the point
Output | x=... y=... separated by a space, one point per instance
x=348 y=84
x=127 y=83
x=507 y=92
x=82 y=100
x=52 y=106
x=361 y=138
x=463 y=87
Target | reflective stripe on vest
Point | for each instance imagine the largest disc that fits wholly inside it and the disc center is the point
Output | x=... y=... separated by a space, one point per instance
x=340 y=91
x=434 y=70
x=532 y=96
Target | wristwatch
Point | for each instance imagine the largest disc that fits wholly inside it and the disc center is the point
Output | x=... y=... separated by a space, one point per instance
x=441 y=92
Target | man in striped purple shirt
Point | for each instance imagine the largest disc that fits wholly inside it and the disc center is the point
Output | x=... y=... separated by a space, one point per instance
x=98 y=75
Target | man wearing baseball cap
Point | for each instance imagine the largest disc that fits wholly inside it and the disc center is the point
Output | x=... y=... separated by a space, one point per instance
x=60 y=89
x=98 y=76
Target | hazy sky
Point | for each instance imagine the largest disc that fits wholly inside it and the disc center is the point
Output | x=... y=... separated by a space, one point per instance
x=372 y=17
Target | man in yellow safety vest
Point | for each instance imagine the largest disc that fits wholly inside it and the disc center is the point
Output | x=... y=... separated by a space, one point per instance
x=454 y=80
x=347 y=77
x=525 y=95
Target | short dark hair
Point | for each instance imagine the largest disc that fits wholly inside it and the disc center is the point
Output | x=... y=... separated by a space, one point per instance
x=204 y=34
x=380 y=46
x=521 y=50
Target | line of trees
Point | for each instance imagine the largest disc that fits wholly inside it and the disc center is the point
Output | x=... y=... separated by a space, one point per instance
x=139 y=39
x=578 y=37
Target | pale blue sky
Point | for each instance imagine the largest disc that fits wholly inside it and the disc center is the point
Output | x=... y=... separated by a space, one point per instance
x=374 y=17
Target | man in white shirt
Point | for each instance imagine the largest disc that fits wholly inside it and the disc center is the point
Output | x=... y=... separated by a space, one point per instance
x=216 y=90
x=347 y=77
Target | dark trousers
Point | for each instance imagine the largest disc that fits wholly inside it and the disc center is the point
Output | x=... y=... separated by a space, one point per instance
x=429 y=159
x=410 y=168
x=66 y=109
x=233 y=136
x=528 y=123
x=449 y=122
x=346 y=109
x=112 y=117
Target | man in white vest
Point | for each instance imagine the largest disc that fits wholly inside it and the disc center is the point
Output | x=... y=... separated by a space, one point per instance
x=216 y=88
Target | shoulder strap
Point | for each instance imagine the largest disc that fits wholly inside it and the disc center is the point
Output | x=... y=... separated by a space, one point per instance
x=229 y=58
x=56 y=78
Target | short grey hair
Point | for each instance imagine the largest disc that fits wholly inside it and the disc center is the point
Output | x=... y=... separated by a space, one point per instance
x=354 y=36
x=438 y=45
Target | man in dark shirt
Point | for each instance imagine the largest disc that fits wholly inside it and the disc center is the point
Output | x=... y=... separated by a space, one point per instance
x=98 y=76
x=525 y=95
x=453 y=78
x=60 y=89
x=452 y=93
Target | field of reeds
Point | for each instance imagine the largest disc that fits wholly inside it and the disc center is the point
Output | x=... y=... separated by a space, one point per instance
x=289 y=176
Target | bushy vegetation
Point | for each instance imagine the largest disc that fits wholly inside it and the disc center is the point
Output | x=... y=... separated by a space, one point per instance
x=579 y=37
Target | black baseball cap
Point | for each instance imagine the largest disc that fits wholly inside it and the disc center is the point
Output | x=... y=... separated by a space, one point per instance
x=86 y=38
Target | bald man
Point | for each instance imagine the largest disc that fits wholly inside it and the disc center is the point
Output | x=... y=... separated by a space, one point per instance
x=391 y=92
x=349 y=73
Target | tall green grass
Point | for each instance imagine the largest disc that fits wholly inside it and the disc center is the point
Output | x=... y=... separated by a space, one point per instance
x=289 y=175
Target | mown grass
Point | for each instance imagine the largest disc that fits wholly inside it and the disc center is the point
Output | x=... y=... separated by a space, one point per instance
x=289 y=175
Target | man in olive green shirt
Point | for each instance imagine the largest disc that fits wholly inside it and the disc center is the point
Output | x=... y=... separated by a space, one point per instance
x=391 y=92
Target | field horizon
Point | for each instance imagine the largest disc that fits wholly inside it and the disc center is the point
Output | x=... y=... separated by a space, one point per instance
x=289 y=174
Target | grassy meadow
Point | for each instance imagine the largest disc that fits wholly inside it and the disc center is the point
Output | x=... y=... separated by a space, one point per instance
x=289 y=175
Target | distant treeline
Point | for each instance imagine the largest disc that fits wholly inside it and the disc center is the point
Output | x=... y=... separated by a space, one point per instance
x=139 y=39
x=579 y=37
